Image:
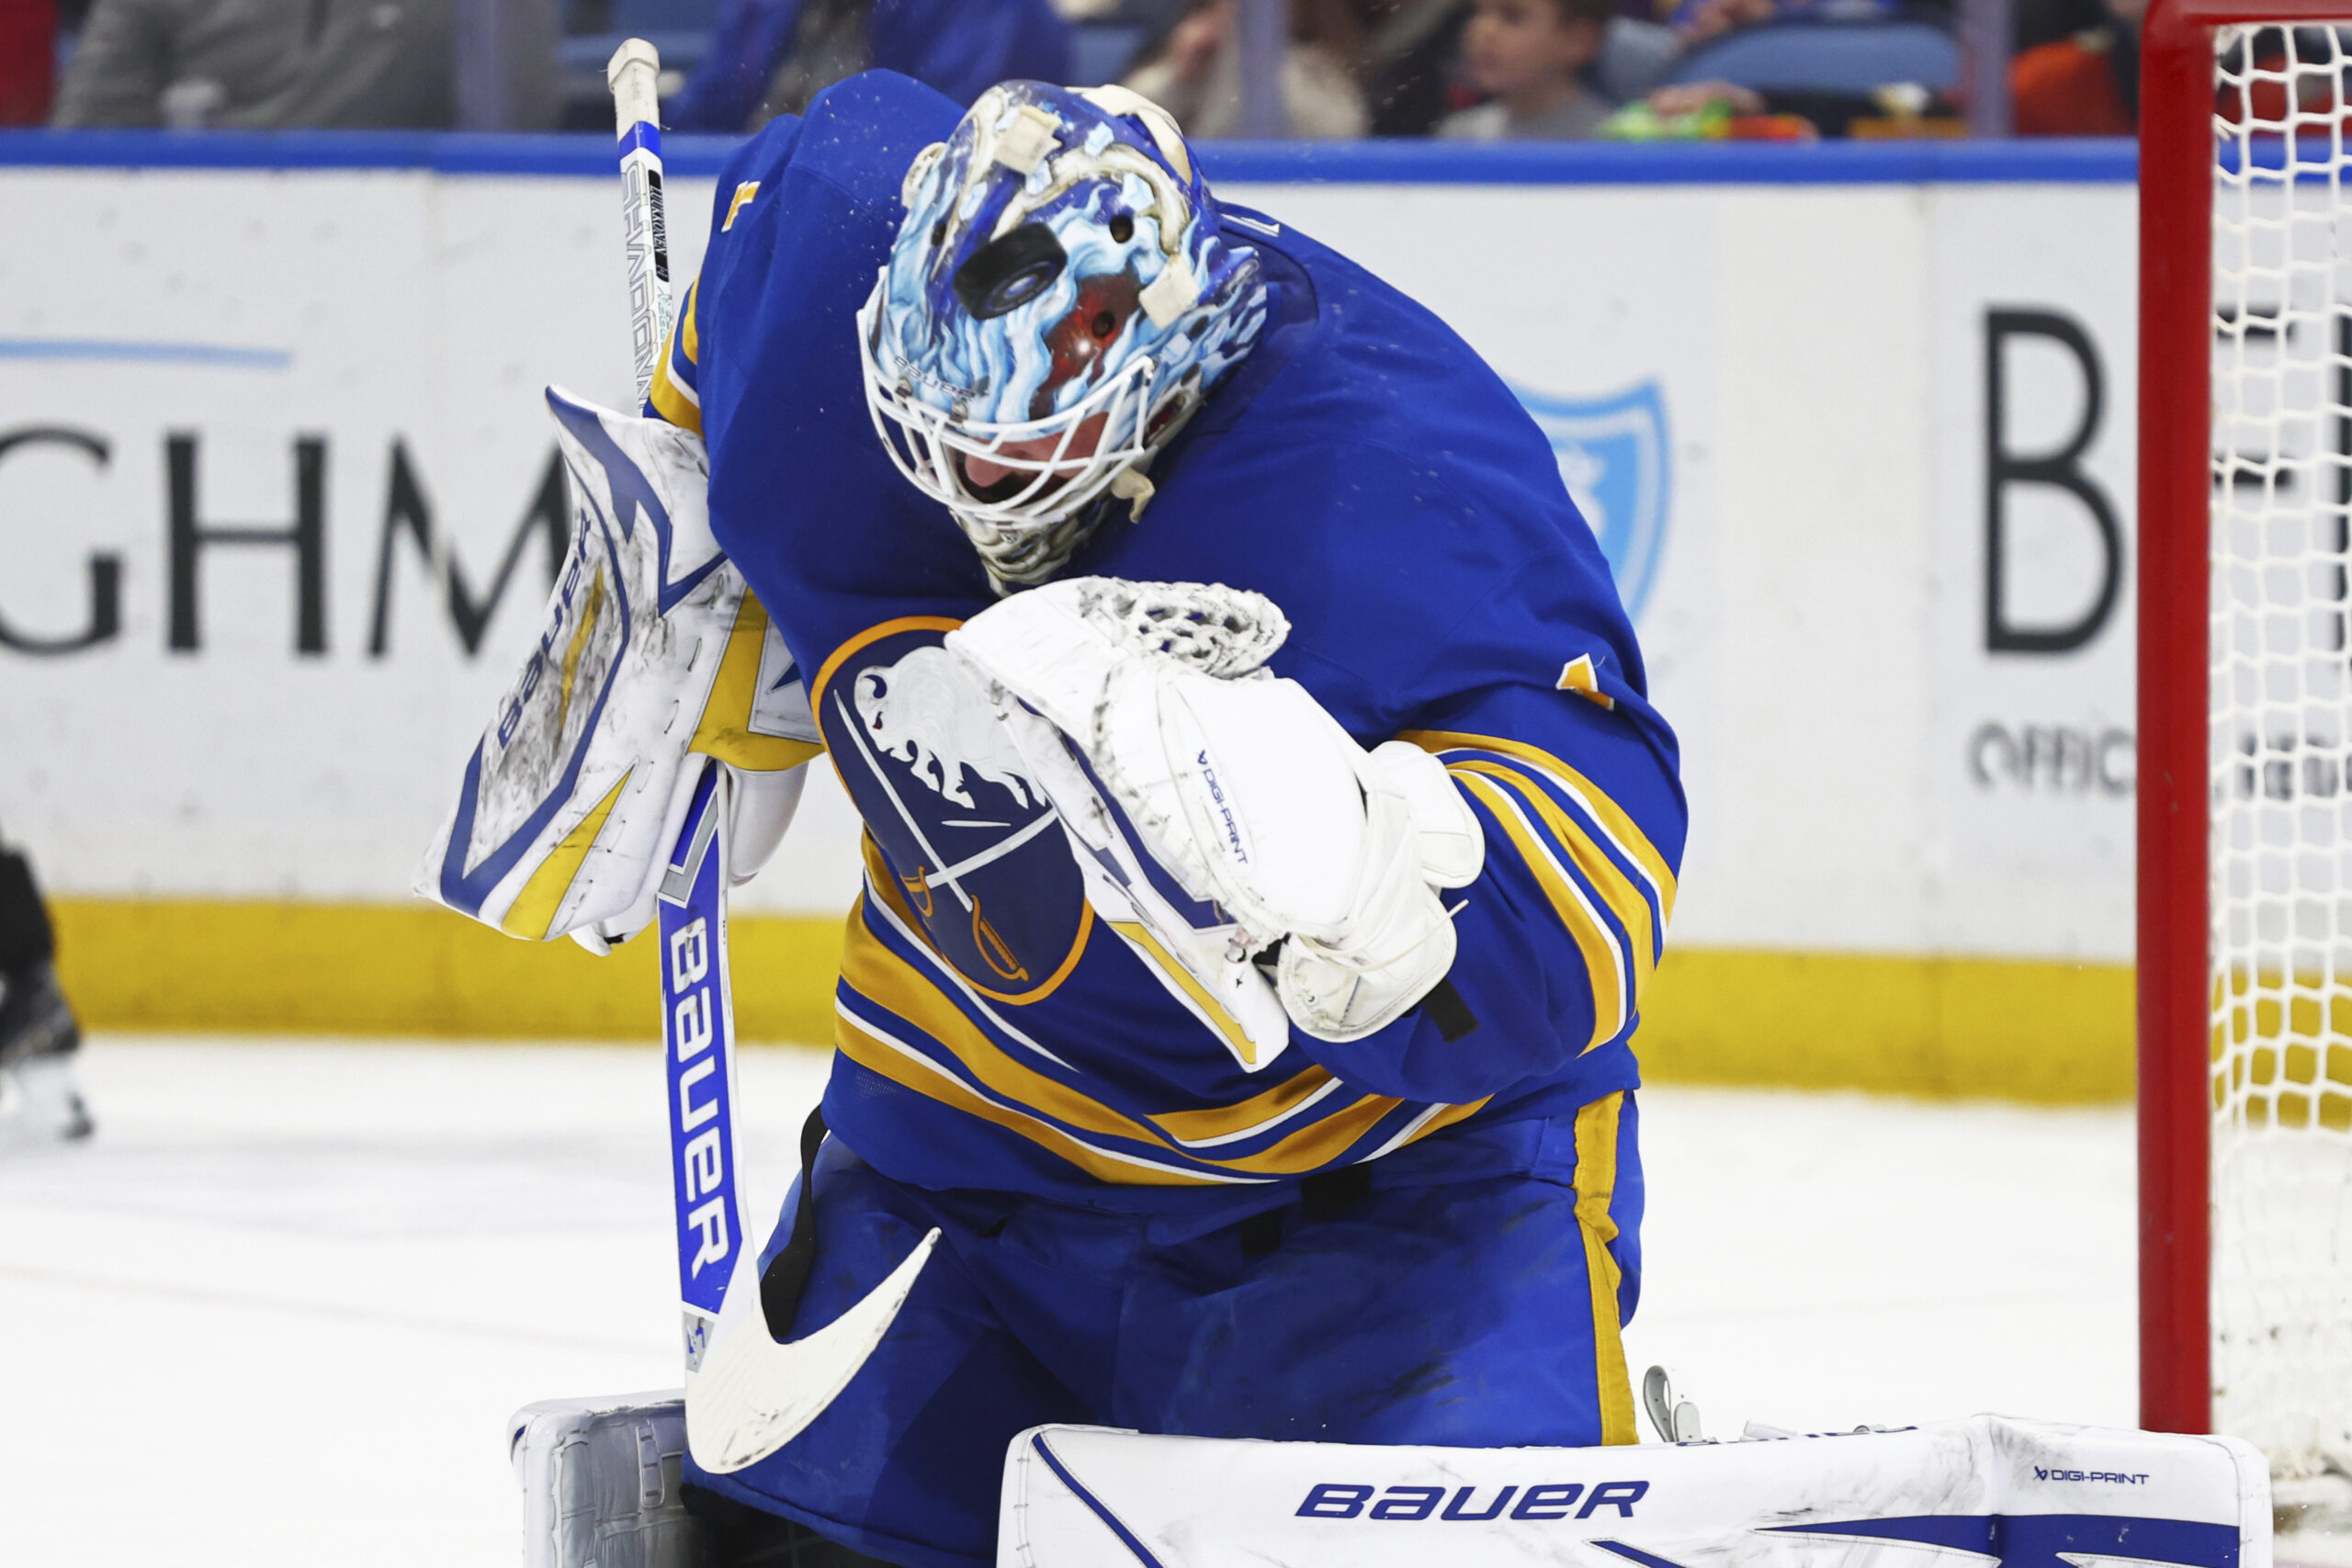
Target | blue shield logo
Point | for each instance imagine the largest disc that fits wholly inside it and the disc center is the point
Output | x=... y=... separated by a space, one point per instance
x=1614 y=457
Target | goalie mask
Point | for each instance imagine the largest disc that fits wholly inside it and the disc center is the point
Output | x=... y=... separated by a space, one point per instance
x=1060 y=297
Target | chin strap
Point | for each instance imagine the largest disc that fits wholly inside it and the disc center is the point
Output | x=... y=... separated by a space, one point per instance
x=1134 y=485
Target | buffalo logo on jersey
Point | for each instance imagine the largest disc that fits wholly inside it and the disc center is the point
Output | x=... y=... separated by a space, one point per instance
x=967 y=846
x=1061 y=268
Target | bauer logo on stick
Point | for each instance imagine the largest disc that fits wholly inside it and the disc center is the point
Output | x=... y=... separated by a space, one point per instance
x=698 y=1027
x=703 y=1160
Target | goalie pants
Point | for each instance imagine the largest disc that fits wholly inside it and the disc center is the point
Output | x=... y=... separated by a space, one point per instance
x=1413 y=1301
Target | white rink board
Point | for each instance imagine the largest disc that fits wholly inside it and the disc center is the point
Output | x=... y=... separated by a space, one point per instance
x=1805 y=367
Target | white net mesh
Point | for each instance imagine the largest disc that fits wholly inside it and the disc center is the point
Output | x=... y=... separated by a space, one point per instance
x=1225 y=632
x=2281 y=746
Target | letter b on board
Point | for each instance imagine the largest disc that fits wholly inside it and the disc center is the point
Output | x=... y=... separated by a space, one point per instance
x=2060 y=468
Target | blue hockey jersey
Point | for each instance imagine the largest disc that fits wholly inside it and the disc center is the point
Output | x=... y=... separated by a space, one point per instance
x=1365 y=471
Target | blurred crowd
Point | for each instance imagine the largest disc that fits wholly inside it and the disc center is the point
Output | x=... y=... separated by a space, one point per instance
x=1469 y=69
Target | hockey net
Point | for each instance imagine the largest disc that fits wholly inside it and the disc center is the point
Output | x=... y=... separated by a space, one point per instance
x=2280 y=744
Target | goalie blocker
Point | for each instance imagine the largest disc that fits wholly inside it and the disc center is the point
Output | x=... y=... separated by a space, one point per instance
x=601 y=1487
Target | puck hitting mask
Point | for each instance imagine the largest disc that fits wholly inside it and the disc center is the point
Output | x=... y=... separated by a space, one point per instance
x=1061 y=295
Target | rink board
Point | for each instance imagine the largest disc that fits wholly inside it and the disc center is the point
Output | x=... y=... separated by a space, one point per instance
x=1770 y=376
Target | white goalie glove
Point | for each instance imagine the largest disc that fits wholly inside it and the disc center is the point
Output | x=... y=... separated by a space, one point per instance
x=1145 y=711
x=653 y=653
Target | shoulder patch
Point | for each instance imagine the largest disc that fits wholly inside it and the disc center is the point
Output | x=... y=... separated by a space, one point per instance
x=743 y=193
x=1577 y=675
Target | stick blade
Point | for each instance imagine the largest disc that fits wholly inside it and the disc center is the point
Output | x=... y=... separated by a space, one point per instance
x=752 y=1395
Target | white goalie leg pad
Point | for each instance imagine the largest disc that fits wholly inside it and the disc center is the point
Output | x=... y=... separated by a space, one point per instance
x=1243 y=787
x=652 y=649
x=2026 y=1494
x=601 y=1483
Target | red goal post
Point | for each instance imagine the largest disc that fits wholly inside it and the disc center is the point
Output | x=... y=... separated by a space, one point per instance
x=2245 y=939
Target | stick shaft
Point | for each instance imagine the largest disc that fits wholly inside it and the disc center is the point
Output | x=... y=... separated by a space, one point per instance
x=699 y=1040
x=633 y=76
x=697 y=999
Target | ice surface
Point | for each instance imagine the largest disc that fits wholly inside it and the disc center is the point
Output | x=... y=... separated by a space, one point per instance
x=1819 y=1260
x=276 y=1315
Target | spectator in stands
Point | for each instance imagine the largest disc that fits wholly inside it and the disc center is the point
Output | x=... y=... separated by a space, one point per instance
x=1635 y=55
x=1195 y=74
x=1412 y=66
x=2086 y=80
x=28 y=59
x=771 y=57
x=1417 y=76
x=1698 y=21
x=1530 y=56
x=279 y=64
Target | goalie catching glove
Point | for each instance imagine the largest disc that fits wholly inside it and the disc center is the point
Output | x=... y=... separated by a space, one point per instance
x=655 y=652
x=1148 y=716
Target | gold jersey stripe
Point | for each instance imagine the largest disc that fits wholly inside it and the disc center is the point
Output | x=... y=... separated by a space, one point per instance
x=672 y=401
x=1596 y=1131
x=890 y=982
x=1626 y=900
x=1621 y=828
x=689 y=339
x=907 y=1068
x=974 y=1002
x=1204 y=1005
x=1602 y=960
x=1447 y=1115
x=1230 y=1124
x=670 y=398
x=1320 y=1143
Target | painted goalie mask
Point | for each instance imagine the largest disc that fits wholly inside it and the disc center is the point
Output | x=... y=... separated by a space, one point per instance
x=1060 y=297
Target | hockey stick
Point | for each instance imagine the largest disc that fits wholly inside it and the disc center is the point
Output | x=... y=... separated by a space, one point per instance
x=747 y=1395
x=634 y=74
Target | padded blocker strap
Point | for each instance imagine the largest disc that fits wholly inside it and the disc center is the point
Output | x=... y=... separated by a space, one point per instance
x=787 y=1274
x=1449 y=1011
